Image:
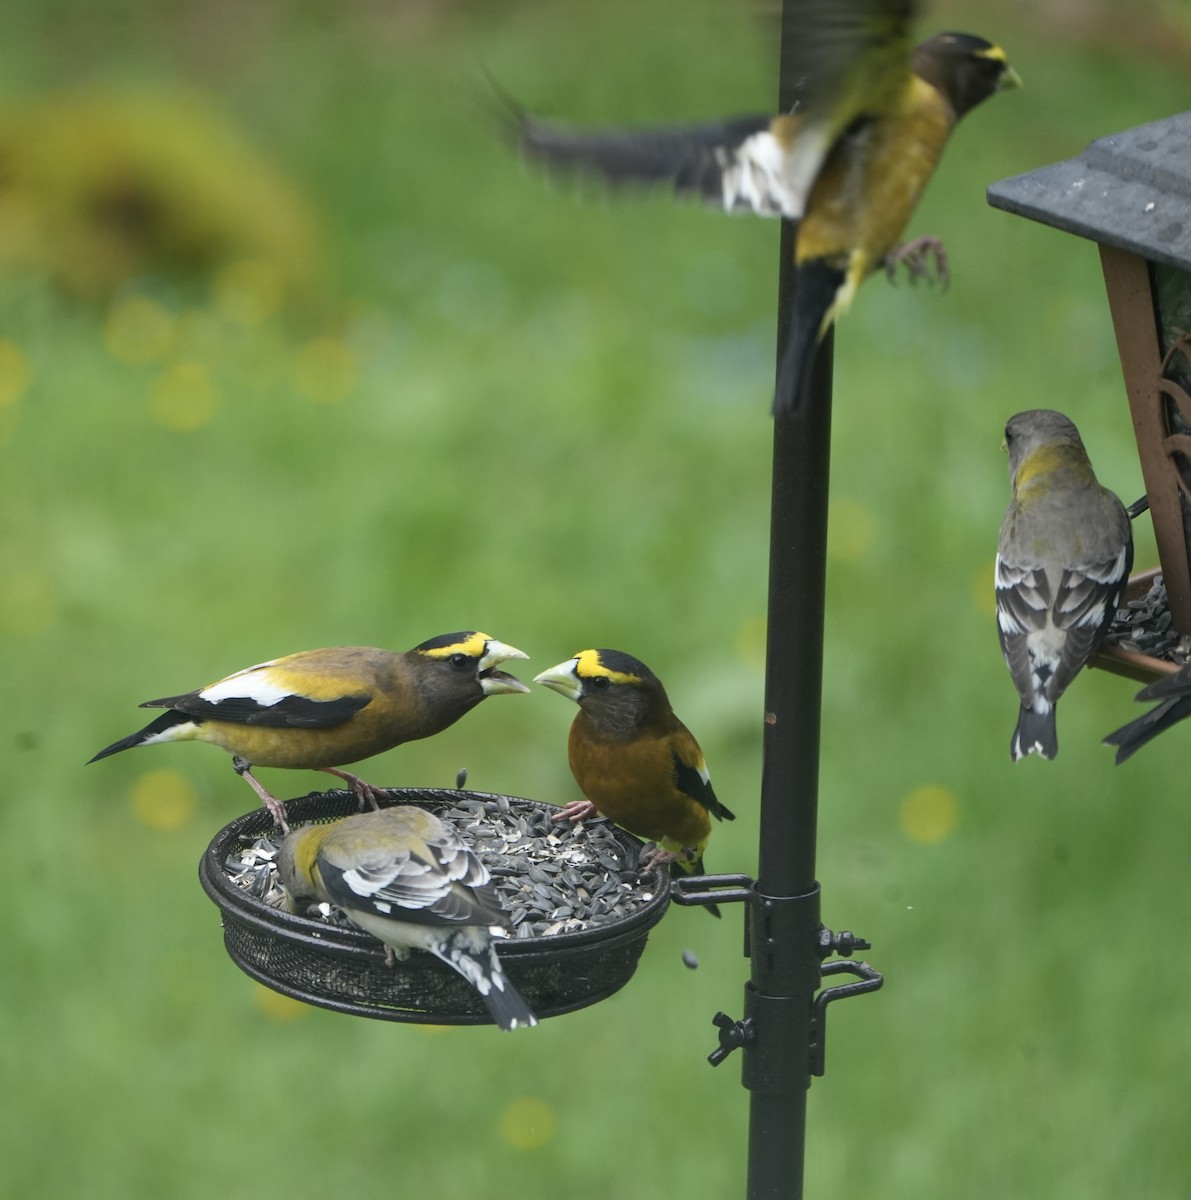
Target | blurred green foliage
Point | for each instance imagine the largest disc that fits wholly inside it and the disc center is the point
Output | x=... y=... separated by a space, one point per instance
x=518 y=406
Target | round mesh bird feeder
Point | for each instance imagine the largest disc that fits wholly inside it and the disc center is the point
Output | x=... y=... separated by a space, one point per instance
x=582 y=910
x=1130 y=193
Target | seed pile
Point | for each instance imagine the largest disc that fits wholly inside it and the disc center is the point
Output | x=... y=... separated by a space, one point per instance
x=1144 y=626
x=552 y=877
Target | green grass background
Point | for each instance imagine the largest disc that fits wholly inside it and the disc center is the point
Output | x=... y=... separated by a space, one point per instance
x=557 y=432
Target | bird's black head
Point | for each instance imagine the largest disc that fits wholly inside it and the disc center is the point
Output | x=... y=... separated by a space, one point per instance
x=455 y=671
x=965 y=68
x=615 y=690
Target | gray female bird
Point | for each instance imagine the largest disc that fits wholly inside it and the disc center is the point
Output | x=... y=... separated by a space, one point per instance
x=1062 y=564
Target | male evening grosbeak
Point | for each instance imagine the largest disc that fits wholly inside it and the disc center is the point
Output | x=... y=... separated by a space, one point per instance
x=319 y=709
x=1063 y=560
x=403 y=876
x=634 y=760
x=849 y=163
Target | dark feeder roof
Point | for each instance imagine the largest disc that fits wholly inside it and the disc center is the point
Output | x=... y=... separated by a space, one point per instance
x=1130 y=190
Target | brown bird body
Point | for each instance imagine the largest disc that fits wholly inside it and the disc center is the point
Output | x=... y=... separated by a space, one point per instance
x=635 y=762
x=629 y=775
x=322 y=709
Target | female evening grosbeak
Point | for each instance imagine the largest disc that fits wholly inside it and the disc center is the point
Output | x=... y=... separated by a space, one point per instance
x=634 y=760
x=319 y=709
x=1063 y=560
x=403 y=876
x=849 y=163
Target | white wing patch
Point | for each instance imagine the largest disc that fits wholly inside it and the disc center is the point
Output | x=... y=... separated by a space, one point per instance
x=757 y=178
x=253 y=683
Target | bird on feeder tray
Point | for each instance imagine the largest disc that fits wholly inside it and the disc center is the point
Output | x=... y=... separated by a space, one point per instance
x=405 y=877
x=849 y=163
x=320 y=709
x=1063 y=560
x=635 y=762
x=1173 y=693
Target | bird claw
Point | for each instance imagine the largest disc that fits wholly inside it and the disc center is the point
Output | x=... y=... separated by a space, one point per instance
x=243 y=768
x=577 y=810
x=366 y=793
x=653 y=855
x=923 y=258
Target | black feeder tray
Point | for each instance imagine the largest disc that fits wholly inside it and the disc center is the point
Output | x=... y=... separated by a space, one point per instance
x=344 y=969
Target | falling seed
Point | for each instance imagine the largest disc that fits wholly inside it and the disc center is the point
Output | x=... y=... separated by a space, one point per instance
x=689 y=960
x=461 y=779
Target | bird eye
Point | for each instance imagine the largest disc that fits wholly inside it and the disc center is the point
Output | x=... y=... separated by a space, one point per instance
x=599 y=682
x=460 y=661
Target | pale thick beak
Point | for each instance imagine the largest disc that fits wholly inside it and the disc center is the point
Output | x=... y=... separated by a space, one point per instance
x=494 y=682
x=1009 y=79
x=563 y=680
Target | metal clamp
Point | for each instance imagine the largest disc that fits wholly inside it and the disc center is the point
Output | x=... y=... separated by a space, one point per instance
x=869 y=980
x=733 y=1034
x=713 y=889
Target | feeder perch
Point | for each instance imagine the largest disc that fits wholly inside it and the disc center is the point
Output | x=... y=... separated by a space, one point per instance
x=344 y=969
x=1131 y=194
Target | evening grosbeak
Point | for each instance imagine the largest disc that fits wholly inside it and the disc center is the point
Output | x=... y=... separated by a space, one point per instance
x=1063 y=560
x=634 y=760
x=849 y=163
x=319 y=709
x=403 y=876
x=1173 y=693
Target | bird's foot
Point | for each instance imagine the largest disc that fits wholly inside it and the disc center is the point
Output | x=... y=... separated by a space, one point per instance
x=923 y=258
x=275 y=807
x=366 y=793
x=577 y=810
x=653 y=855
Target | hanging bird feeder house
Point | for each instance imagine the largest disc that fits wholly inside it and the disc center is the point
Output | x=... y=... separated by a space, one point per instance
x=1130 y=193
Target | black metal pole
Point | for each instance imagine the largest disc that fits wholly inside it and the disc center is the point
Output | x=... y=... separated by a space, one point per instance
x=784 y=922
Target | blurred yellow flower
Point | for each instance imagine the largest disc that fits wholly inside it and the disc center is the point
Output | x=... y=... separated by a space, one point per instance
x=984 y=588
x=14 y=372
x=248 y=292
x=277 y=1007
x=184 y=397
x=138 y=330
x=527 y=1123
x=851 y=530
x=750 y=641
x=163 y=799
x=28 y=601
x=325 y=370
x=929 y=814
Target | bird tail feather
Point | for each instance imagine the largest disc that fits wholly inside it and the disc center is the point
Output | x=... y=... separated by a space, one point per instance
x=679 y=868
x=479 y=965
x=1035 y=733
x=1130 y=738
x=151 y=732
x=814 y=293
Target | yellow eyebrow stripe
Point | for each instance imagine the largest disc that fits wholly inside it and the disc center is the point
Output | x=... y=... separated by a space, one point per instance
x=588 y=665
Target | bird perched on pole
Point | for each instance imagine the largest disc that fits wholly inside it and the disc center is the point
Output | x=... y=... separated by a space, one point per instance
x=849 y=163
x=635 y=762
x=320 y=709
x=1173 y=693
x=1063 y=560
x=405 y=877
